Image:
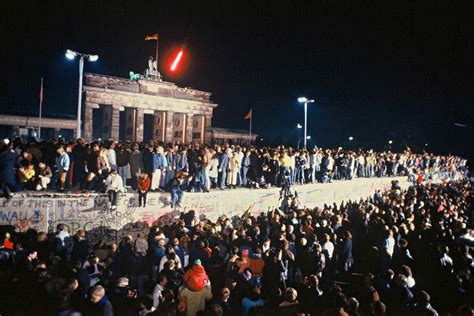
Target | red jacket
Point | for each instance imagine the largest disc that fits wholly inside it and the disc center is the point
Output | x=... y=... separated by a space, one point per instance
x=143 y=184
x=196 y=278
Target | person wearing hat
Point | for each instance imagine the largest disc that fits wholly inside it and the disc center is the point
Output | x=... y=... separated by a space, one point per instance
x=196 y=278
x=197 y=289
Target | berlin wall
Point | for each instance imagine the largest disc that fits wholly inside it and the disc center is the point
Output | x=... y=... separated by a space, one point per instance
x=91 y=213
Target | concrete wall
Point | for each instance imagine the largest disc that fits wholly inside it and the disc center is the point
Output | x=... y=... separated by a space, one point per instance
x=92 y=214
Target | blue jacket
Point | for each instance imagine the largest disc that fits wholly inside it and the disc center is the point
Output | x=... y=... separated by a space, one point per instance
x=63 y=162
x=223 y=161
x=157 y=161
x=181 y=161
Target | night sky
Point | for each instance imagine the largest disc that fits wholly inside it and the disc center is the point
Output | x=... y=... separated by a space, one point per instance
x=378 y=70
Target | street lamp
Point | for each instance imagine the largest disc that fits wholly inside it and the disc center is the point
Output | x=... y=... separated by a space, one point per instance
x=308 y=137
x=390 y=142
x=299 y=127
x=70 y=54
x=305 y=101
x=351 y=138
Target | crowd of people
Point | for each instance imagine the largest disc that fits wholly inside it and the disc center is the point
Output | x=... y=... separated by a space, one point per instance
x=398 y=252
x=115 y=167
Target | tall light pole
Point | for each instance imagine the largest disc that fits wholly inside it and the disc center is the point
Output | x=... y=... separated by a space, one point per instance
x=299 y=127
x=71 y=55
x=305 y=101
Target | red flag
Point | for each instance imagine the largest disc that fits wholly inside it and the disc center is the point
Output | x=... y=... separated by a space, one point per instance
x=248 y=116
x=153 y=37
x=41 y=91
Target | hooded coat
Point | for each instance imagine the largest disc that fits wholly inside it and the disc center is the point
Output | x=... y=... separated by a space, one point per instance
x=196 y=278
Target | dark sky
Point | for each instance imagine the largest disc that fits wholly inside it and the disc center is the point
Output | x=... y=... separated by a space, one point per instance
x=378 y=70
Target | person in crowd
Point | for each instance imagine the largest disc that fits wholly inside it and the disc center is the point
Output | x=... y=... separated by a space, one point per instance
x=196 y=278
x=26 y=175
x=7 y=243
x=43 y=176
x=114 y=185
x=112 y=155
x=103 y=163
x=223 y=167
x=160 y=286
x=62 y=165
x=7 y=168
x=136 y=163
x=197 y=290
x=123 y=159
x=213 y=170
x=101 y=305
x=63 y=241
x=143 y=185
x=177 y=186
x=80 y=248
x=80 y=153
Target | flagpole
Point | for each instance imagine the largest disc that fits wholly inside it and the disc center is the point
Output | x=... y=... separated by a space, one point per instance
x=40 y=109
x=157 y=37
x=250 y=131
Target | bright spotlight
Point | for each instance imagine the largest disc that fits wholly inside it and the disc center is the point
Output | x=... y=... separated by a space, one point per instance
x=308 y=137
x=70 y=54
x=390 y=142
x=93 y=57
x=302 y=99
x=351 y=138
x=299 y=125
x=176 y=60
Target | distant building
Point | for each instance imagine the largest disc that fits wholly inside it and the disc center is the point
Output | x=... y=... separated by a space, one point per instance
x=136 y=110
x=140 y=110
x=231 y=136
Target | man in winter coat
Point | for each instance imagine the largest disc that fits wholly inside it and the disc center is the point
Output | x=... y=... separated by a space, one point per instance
x=100 y=303
x=197 y=290
x=196 y=278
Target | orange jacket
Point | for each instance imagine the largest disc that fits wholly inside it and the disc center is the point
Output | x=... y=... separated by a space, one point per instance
x=196 y=278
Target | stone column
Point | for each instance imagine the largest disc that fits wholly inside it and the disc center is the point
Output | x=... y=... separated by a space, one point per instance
x=179 y=128
x=130 y=124
x=139 y=125
x=115 y=122
x=207 y=129
x=169 y=127
x=87 y=122
x=189 y=128
x=106 y=122
x=199 y=129
x=159 y=126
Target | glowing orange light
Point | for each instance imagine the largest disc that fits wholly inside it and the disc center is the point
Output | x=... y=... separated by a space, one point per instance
x=177 y=60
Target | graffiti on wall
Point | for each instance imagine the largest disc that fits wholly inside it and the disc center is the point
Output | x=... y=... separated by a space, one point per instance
x=93 y=214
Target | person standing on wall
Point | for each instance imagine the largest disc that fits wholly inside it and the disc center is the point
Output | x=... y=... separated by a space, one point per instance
x=135 y=165
x=143 y=187
x=62 y=165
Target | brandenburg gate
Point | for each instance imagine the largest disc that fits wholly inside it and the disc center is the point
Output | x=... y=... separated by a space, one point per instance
x=180 y=115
